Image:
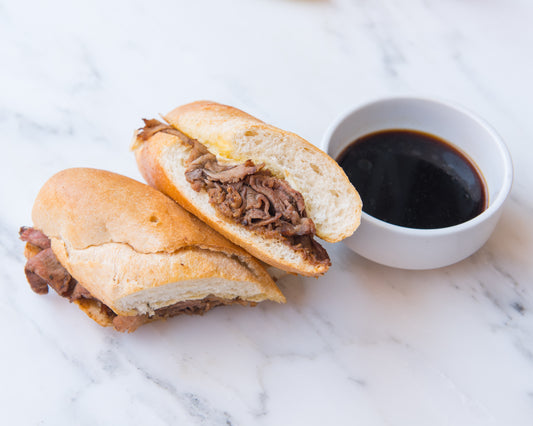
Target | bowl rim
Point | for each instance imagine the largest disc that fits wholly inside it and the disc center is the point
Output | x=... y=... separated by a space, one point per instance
x=494 y=205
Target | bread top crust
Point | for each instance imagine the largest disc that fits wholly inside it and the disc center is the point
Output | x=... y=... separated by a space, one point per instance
x=151 y=156
x=87 y=207
x=118 y=236
x=331 y=200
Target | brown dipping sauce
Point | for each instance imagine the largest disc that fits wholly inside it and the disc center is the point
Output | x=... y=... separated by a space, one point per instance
x=414 y=179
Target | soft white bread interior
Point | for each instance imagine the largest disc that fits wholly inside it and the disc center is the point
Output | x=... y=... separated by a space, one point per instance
x=162 y=162
x=234 y=137
x=330 y=199
x=136 y=250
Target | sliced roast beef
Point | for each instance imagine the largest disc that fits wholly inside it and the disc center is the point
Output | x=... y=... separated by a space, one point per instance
x=46 y=266
x=44 y=270
x=35 y=237
x=79 y=292
x=250 y=195
x=188 y=307
x=37 y=284
x=124 y=323
x=232 y=174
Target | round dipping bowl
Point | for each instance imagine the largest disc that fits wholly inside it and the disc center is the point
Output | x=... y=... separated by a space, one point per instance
x=411 y=248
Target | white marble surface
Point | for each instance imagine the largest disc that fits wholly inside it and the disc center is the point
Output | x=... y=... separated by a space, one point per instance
x=364 y=344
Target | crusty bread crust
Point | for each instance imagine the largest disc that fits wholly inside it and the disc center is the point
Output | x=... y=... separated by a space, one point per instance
x=151 y=158
x=92 y=207
x=235 y=136
x=331 y=200
x=120 y=238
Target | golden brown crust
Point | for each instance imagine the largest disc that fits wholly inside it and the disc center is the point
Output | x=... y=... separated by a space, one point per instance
x=112 y=271
x=149 y=156
x=220 y=115
x=30 y=250
x=91 y=207
x=117 y=236
x=93 y=309
x=220 y=128
x=217 y=125
x=331 y=201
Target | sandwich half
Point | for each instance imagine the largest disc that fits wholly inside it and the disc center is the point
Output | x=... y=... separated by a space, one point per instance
x=126 y=254
x=267 y=190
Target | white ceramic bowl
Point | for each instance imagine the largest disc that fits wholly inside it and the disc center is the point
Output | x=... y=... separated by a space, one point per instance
x=410 y=248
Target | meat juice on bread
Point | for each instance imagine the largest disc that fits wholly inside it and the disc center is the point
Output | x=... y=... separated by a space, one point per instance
x=126 y=254
x=265 y=189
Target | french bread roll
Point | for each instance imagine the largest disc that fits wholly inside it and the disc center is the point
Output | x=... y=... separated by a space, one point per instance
x=233 y=136
x=136 y=251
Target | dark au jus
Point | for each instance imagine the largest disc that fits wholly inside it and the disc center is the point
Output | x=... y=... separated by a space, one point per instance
x=414 y=179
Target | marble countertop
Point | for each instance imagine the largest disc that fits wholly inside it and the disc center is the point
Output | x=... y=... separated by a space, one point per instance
x=364 y=344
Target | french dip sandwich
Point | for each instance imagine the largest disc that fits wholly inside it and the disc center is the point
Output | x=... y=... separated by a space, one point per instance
x=267 y=190
x=126 y=254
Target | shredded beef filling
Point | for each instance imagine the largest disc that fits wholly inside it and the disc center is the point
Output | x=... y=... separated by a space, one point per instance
x=250 y=195
x=43 y=270
x=188 y=307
